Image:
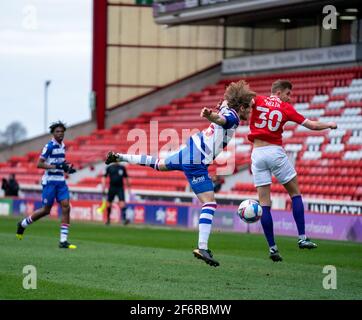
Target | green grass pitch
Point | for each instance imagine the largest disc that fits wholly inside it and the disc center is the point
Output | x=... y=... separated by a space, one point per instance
x=139 y=262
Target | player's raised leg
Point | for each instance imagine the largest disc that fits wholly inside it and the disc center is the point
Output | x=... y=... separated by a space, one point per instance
x=267 y=222
x=298 y=214
x=142 y=160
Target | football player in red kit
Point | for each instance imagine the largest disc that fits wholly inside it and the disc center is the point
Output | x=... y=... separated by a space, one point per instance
x=269 y=114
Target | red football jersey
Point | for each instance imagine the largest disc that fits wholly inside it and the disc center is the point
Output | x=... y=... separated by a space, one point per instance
x=268 y=116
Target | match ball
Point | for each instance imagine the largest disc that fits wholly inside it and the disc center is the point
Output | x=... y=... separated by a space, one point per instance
x=250 y=211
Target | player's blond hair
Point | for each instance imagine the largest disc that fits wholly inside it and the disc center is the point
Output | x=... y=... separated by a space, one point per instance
x=238 y=94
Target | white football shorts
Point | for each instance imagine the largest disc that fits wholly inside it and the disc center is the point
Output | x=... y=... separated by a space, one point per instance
x=271 y=160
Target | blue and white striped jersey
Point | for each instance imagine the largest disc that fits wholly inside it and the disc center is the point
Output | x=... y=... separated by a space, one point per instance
x=53 y=153
x=210 y=142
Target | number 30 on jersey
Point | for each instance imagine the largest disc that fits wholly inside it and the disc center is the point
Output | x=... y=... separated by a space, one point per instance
x=274 y=116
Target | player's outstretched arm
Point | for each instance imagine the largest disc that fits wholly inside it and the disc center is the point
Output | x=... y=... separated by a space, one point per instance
x=212 y=116
x=317 y=125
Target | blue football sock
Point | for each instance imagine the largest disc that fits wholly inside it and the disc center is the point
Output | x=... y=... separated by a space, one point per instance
x=267 y=224
x=298 y=214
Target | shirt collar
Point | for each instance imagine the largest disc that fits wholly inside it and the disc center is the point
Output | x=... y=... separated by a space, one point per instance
x=274 y=96
x=56 y=142
x=235 y=113
x=225 y=104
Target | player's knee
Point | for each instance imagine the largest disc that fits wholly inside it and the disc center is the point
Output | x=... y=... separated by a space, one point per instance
x=265 y=201
x=206 y=197
x=65 y=207
x=292 y=188
x=46 y=210
x=162 y=165
x=264 y=195
x=294 y=194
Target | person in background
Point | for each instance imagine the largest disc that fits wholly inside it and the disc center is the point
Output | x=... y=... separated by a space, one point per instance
x=5 y=186
x=52 y=161
x=116 y=173
x=13 y=186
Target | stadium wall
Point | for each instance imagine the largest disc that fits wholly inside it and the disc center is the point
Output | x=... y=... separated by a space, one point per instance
x=133 y=55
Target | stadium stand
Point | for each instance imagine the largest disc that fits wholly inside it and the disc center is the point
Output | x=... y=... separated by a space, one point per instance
x=328 y=163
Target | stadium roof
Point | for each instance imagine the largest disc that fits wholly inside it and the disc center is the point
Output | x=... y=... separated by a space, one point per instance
x=239 y=12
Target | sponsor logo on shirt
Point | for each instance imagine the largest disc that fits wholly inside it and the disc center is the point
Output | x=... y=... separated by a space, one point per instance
x=196 y=180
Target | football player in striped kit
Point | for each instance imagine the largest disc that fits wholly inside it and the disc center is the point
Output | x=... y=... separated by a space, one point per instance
x=200 y=150
x=52 y=159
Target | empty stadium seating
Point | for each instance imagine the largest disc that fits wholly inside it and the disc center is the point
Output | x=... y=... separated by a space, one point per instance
x=328 y=162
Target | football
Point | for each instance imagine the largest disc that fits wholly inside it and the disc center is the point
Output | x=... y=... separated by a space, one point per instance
x=250 y=211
